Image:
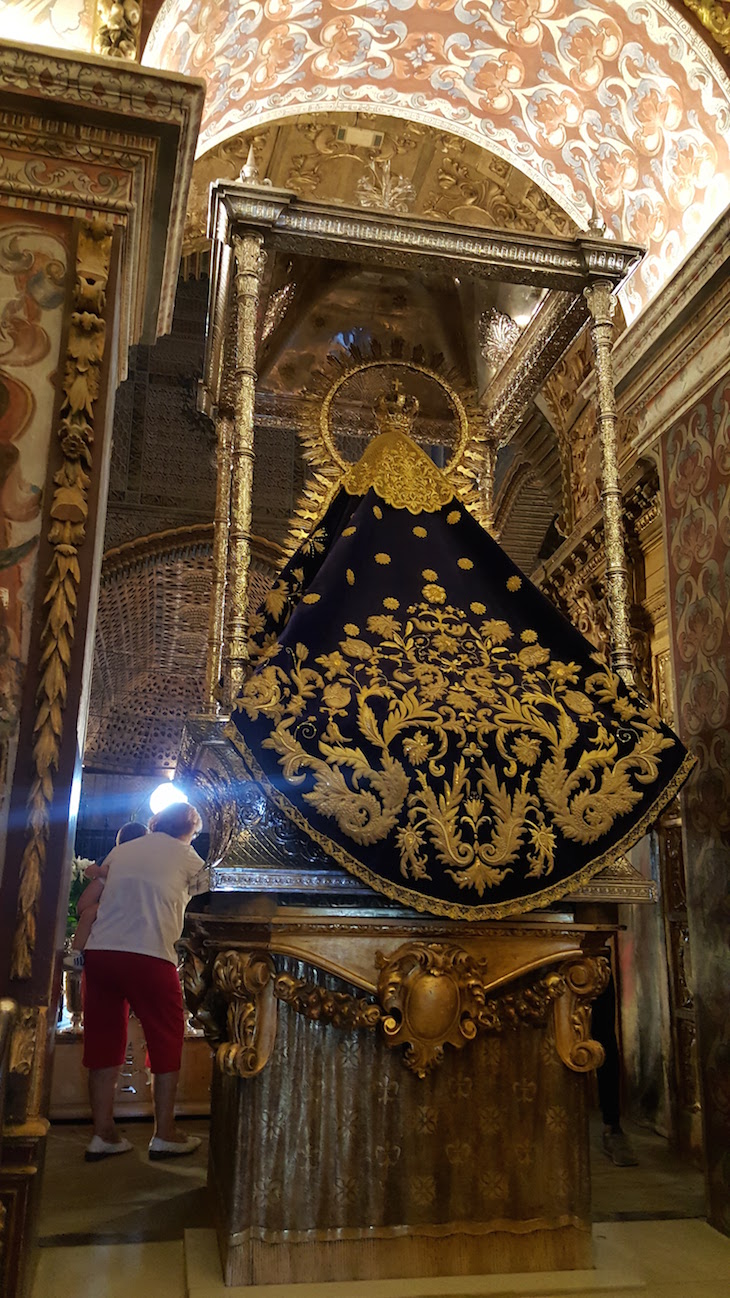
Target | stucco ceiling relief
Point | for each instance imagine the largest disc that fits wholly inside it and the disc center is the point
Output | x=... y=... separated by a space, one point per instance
x=618 y=103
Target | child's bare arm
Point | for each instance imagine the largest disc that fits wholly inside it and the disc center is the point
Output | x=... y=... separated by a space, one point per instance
x=90 y=896
x=95 y=871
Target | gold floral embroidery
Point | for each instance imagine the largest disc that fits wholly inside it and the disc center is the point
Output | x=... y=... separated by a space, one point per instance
x=377 y=511
x=311 y=598
x=469 y=737
x=420 y=532
x=435 y=594
x=453 y=516
x=478 y=608
x=350 y=576
x=428 y=574
x=401 y=473
x=514 y=583
x=382 y=558
x=391 y=602
x=466 y=564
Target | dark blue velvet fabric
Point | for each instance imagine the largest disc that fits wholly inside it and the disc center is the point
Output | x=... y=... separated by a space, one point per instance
x=427 y=716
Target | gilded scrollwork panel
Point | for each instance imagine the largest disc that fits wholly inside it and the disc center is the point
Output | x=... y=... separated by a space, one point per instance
x=429 y=995
x=583 y=980
x=244 y=981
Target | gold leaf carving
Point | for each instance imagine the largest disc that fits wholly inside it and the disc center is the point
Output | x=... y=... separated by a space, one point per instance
x=117 y=28
x=583 y=980
x=431 y=995
x=324 y=1006
x=196 y=983
x=244 y=980
x=715 y=18
x=69 y=512
x=22 y=1042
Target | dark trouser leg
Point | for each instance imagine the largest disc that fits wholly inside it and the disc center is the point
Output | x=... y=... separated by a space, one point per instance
x=608 y=1075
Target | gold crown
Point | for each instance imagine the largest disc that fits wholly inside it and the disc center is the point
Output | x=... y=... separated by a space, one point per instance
x=395 y=409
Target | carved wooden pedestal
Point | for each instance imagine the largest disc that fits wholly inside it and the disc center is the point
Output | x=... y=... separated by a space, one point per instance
x=393 y=1095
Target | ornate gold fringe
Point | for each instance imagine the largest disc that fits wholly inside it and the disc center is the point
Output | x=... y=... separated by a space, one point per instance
x=69 y=512
x=453 y=910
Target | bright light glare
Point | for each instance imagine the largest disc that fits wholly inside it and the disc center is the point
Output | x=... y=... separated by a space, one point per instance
x=164 y=796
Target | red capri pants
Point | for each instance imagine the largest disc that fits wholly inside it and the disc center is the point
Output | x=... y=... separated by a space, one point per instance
x=113 y=982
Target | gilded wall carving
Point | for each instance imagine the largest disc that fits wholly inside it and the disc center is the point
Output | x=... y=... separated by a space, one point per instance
x=33 y=259
x=430 y=995
x=715 y=18
x=117 y=28
x=81 y=382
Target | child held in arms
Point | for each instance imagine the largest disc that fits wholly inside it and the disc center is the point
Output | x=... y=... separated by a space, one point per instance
x=88 y=903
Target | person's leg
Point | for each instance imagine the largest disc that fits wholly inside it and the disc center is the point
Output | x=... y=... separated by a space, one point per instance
x=156 y=999
x=102 y=1085
x=616 y=1145
x=105 y=1039
x=164 y=1089
x=608 y=1076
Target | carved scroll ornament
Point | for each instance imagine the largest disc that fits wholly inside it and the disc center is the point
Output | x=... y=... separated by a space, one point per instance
x=429 y=995
x=244 y=981
x=583 y=981
x=81 y=385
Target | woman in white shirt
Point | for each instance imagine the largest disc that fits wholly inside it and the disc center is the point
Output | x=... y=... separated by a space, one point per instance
x=130 y=961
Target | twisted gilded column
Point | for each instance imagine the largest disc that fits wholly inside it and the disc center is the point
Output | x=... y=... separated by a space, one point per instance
x=490 y=451
x=214 y=669
x=248 y=253
x=601 y=305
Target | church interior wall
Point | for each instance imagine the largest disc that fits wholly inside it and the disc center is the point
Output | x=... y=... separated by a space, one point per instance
x=34 y=256
x=696 y=479
x=672 y=959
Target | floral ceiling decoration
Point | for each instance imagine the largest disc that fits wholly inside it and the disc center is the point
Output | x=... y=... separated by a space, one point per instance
x=62 y=24
x=620 y=103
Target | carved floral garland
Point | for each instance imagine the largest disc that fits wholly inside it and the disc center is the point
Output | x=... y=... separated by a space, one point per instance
x=69 y=513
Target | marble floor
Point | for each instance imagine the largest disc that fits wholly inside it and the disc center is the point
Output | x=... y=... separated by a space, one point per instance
x=108 y=1230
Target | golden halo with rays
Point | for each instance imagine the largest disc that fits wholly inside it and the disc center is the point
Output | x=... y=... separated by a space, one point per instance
x=318 y=438
x=412 y=367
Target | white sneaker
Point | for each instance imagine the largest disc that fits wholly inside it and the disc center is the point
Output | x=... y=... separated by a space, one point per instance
x=74 y=960
x=159 y=1149
x=98 y=1149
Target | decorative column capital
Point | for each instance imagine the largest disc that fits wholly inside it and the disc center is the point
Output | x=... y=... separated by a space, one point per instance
x=601 y=302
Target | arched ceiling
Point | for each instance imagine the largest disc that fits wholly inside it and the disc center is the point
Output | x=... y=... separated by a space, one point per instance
x=451 y=178
x=614 y=102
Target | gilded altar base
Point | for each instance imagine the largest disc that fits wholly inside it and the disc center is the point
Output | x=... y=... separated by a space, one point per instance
x=395 y=1096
